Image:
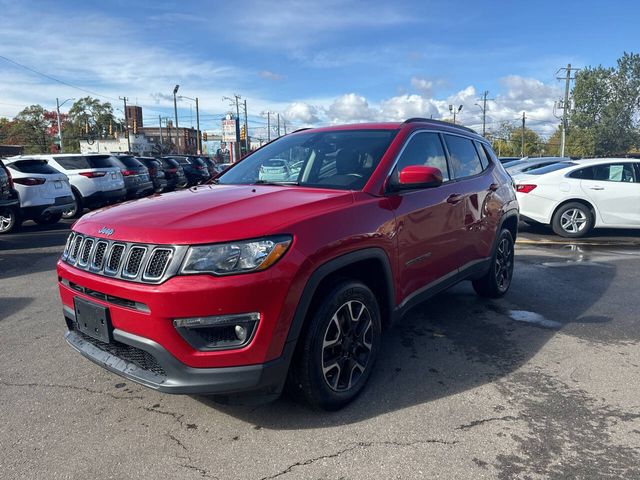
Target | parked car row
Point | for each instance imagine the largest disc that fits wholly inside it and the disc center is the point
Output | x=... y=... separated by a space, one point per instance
x=46 y=188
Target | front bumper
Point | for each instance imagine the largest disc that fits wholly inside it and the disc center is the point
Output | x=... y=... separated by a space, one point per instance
x=148 y=363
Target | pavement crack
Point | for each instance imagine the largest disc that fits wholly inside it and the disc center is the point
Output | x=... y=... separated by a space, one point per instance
x=481 y=421
x=177 y=441
x=203 y=473
x=178 y=417
x=70 y=387
x=356 y=446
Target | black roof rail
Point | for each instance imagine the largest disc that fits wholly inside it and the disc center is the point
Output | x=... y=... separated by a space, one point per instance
x=301 y=130
x=439 y=122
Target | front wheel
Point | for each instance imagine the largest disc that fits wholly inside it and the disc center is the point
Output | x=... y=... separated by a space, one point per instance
x=572 y=220
x=497 y=280
x=340 y=347
x=9 y=220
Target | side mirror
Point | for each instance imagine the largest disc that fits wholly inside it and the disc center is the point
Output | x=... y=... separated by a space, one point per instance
x=419 y=176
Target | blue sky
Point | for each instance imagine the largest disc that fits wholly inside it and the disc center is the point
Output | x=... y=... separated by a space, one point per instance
x=312 y=62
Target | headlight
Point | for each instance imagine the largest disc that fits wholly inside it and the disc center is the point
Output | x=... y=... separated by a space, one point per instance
x=235 y=257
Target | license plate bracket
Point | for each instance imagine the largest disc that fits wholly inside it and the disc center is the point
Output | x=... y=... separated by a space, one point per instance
x=93 y=320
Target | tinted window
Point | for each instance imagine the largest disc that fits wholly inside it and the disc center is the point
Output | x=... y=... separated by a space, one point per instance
x=73 y=163
x=613 y=172
x=130 y=162
x=463 y=158
x=168 y=163
x=33 y=166
x=484 y=160
x=551 y=168
x=423 y=149
x=102 y=161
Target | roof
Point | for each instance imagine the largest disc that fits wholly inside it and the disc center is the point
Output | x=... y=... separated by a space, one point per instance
x=598 y=161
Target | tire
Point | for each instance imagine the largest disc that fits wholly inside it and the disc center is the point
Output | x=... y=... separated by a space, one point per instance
x=48 y=219
x=77 y=209
x=496 y=282
x=337 y=352
x=572 y=220
x=10 y=220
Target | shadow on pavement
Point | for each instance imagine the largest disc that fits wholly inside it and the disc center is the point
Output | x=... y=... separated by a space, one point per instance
x=545 y=232
x=32 y=235
x=11 y=305
x=16 y=264
x=455 y=342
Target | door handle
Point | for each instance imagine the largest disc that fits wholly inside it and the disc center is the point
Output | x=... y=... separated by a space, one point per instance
x=596 y=187
x=493 y=187
x=454 y=198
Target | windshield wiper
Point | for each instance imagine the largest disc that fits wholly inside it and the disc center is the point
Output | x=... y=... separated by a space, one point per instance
x=266 y=182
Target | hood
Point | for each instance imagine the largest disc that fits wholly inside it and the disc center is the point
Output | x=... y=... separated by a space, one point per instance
x=212 y=213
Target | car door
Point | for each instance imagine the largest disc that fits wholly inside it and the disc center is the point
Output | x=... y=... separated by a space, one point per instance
x=614 y=189
x=473 y=185
x=429 y=220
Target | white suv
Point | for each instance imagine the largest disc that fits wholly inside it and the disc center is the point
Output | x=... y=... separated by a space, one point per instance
x=96 y=180
x=576 y=196
x=44 y=192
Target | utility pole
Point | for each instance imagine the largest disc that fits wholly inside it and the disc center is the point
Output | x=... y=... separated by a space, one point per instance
x=161 y=141
x=268 y=126
x=483 y=108
x=198 y=134
x=278 y=125
x=284 y=123
x=59 y=127
x=126 y=123
x=246 y=128
x=175 y=111
x=566 y=107
x=523 y=127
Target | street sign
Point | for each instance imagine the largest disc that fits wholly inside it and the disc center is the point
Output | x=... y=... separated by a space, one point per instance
x=229 y=130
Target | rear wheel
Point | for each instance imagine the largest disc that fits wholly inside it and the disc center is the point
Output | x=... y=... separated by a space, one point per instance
x=339 y=349
x=10 y=220
x=497 y=280
x=48 y=218
x=77 y=208
x=572 y=220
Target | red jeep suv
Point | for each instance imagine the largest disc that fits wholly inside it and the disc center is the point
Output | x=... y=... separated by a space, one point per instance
x=263 y=276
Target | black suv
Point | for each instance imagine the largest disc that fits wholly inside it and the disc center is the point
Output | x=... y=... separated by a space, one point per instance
x=195 y=169
x=136 y=177
x=156 y=172
x=9 y=202
x=173 y=173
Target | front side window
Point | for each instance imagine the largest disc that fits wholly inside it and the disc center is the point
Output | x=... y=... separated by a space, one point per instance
x=337 y=159
x=463 y=157
x=424 y=149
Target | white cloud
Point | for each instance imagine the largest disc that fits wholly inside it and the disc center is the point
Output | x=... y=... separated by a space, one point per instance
x=302 y=113
x=423 y=85
x=269 y=75
x=350 y=108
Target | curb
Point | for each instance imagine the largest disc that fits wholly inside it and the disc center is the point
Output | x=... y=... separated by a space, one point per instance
x=581 y=242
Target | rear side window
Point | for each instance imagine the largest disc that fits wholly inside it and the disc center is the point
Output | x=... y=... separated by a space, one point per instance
x=73 y=163
x=34 y=166
x=130 y=162
x=102 y=161
x=423 y=149
x=167 y=163
x=613 y=172
x=463 y=157
x=484 y=160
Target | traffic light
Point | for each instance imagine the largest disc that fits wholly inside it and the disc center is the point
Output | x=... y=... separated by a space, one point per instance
x=135 y=127
x=243 y=133
x=204 y=136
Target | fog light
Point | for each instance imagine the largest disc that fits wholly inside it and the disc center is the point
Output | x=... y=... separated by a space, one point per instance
x=241 y=333
x=220 y=332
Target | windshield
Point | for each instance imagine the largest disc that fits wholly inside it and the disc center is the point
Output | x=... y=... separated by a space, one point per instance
x=340 y=159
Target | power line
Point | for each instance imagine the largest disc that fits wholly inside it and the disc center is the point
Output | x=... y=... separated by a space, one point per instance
x=56 y=79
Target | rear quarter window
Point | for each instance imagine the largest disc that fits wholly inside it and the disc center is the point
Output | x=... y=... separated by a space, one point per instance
x=34 y=166
x=73 y=163
x=463 y=157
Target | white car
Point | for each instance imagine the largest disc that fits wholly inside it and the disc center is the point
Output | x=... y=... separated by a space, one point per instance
x=274 y=170
x=576 y=196
x=43 y=191
x=96 y=179
x=526 y=164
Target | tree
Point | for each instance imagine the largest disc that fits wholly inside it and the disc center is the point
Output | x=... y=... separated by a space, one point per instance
x=31 y=128
x=607 y=107
x=88 y=117
x=507 y=141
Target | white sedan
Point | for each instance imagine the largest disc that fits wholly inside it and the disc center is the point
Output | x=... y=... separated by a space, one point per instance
x=576 y=196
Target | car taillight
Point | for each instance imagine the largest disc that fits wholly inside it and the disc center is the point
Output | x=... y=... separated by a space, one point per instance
x=172 y=170
x=29 y=181
x=93 y=174
x=525 y=188
x=126 y=173
x=10 y=178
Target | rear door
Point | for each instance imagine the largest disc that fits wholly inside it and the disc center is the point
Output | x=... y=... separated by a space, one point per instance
x=614 y=189
x=429 y=223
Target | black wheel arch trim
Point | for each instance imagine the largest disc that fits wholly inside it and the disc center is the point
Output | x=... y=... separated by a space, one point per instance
x=332 y=266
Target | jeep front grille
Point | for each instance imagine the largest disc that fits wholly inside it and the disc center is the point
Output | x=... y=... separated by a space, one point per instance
x=123 y=260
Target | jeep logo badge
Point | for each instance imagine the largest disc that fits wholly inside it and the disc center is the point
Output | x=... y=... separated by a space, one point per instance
x=106 y=231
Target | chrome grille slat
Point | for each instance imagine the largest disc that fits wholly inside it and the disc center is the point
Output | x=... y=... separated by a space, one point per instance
x=133 y=262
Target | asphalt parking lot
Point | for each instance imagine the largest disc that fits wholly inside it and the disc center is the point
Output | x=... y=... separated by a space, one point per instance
x=544 y=383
